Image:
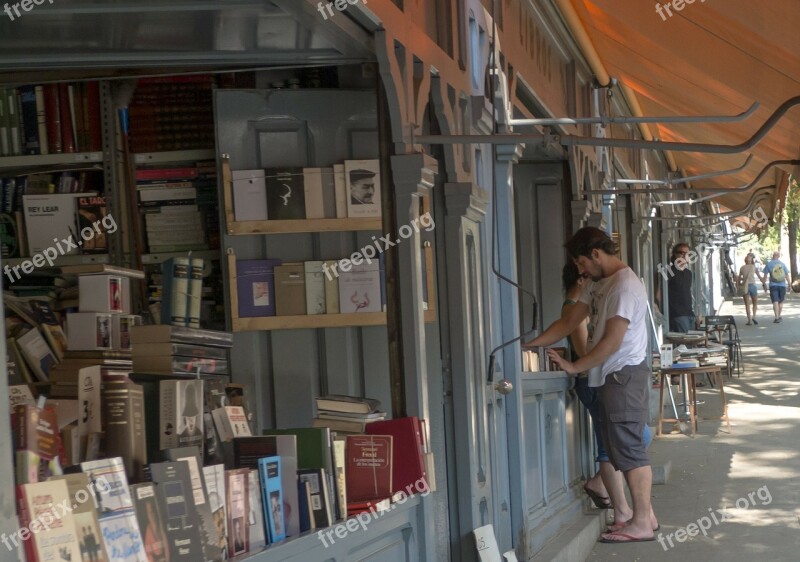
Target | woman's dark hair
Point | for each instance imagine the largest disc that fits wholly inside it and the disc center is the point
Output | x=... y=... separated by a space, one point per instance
x=570 y=275
x=587 y=239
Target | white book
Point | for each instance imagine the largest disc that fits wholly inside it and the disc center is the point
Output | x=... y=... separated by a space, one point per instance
x=249 y=195
x=340 y=190
x=312 y=184
x=328 y=193
x=315 y=287
x=360 y=289
x=363 y=181
x=49 y=217
x=331 y=289
x=231 y=422
x=89 y=331
x=255 y=516
x=37 y=353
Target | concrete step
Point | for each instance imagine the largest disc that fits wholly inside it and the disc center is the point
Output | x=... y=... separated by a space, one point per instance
x=577 y=540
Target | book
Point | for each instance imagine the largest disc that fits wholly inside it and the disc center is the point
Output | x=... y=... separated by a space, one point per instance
x=360 y=289
x=197 y=265
x=175 y=334
x=314 y=183
x=20 y=395
x=350 y=416
x=174 y=303
x=89 y=420
x=101 y=293
x=41 y=124
x=319 y=495
x=342 y=403
x=119 y=527
x=28 y=120
x=315 y=287
x=37 y=353
x=67 y=118
x=124 y=426
x=247 y=451
x=255 y=286
x=369 y=467
x=313 y=446
x=180 y=420
x=92 y=212
x=340 y=474
x=214 y=477
x=407 y=448
x=340 y=189
x=84 y=513
x=363 y=187
x=49 y=217
x=176 y=499
x=249 y=195
x=178 y=349
x=269 y=470
x=208 y=529
x=290 y=289
x=36 y=443
x=331 y=288
x=100 y=268
x=121 y=330
x=236 y=487
x=89 y=331
x=58 y=540
x=285 y=193
x=152 y=524
x=167 y=364
x=255 y=513
x=230 y=422
x=52 y=118
x=306 y=512
x=341 y=426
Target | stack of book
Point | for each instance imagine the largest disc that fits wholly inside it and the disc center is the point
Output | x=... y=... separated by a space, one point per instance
x=347 y=414
x=64 y=377
x=36 y=341
x=163 y=349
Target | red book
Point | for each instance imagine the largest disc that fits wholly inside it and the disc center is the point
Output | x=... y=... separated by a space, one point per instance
x=166 y=173
x=407 y=450
x=368 y=466
x=52 y=116
x=67 y=131
x=91 y=115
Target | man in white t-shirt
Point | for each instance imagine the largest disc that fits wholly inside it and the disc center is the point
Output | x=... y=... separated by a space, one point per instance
x=617 y=349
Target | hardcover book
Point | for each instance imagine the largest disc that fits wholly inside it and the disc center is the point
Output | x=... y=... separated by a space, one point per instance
x=151 y=523
x=195 y=295
x=35 y=443
x=48 y=217
x=363 y=181
x=215 y=485
x=369 y=467
x=236 y=487
x=181 y=420
x=315 y=287
x=58 y=540
x=360 y=289
x=176 y=500
x=407 y=448
x=174 y=303
x=255 y=513
x=255 y=285
x=285 y=193
x=269 y=469
x=319 y=495
x=123 y=419
x=290 y=289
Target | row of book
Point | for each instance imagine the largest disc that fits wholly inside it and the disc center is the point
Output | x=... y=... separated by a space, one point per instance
x=348 y=190
x=50 y=119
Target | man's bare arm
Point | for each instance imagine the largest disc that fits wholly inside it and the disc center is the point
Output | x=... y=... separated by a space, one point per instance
x=610 y=342
x=562 y=327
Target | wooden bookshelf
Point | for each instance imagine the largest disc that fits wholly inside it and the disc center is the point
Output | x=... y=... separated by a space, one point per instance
x=60 y=159
x=305 y=225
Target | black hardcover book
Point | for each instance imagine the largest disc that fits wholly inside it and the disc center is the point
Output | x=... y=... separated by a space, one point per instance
x=285 y=194
x=30 y=125
x=176 y=500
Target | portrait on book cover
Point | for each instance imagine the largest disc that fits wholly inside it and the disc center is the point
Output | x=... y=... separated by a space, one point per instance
x=104 y=332
x=363 y=182
x=276 y=520
x=190 y=432
x=261 y=293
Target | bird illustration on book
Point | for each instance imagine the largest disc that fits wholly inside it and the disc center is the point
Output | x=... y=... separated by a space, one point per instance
x=360 y=302
x=287 y=196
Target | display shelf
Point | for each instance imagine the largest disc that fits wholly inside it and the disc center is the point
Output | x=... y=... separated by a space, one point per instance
x=150 y=259
x=144 y=158
x=79 y=259
x=300 y=226
x=61 y=159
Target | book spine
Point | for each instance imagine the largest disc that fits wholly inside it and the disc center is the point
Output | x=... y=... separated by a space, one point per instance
x=52 y=118
x=195 y=295
x=168 y=418
x=65 y=110
x=179 y=292
x=25 y=521
x=30 y=128
x=5 y=145
x=16 y=130
x=41 y=124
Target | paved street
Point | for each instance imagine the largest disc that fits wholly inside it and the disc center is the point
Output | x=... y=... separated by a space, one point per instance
x=758 y=464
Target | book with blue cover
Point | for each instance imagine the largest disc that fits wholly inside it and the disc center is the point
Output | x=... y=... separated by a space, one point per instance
x=269 y=469
x=255 y=286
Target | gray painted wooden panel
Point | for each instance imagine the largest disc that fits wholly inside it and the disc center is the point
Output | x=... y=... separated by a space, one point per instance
x=553 y=427
x=534 y=449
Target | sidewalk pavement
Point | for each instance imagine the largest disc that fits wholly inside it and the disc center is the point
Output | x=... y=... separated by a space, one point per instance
x=752 y=474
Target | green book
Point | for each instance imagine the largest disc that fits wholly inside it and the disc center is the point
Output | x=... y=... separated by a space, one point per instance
x=313 y=445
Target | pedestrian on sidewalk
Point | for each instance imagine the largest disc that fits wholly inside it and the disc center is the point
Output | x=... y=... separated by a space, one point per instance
x=747 y=278
x=616 y=361
x=779 y=279
x=679 y=289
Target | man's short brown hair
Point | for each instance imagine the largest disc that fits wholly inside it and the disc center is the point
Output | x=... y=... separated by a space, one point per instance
x=588 y=239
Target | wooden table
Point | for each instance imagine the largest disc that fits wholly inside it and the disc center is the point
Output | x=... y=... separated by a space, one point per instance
x=691 y=394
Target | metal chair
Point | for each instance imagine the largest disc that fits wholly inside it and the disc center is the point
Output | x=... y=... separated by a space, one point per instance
x=720 y=325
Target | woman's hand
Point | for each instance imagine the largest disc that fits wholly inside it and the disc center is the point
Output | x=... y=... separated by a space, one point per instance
x=561 y=363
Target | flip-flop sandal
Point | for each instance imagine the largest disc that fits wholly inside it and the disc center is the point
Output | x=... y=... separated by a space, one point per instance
x=628 y=538
x=599 y=501
x=615 y=528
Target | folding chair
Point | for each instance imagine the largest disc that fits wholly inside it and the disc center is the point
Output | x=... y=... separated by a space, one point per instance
x=720 y=325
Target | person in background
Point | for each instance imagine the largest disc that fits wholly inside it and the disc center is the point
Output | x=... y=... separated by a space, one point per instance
x=605 y=488
x=679 y=288
x=747 y=277
x=779 y=279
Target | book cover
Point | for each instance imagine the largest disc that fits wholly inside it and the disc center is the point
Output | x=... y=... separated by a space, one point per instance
x=175 y=273
x=181 y=421
x=84 y=514
x=343 y=403
x=30 y=127
x=255 y=285
x=236 y=487
x=269 y=469
x=255 y=513
x=369 y=467
x=48 y=217
x=89 y=419
x=118 y=525
x=36 y=443
x=151 y=523
x=290 y=290
x=363 y=185
x=89 y=331
x=313 y=184
x=360 y=289
x=197 y=265
x=313 y=445
x=285 y=193
x=407 y=449
x=340 y=189
x=167 y=364
x=67 y=121
x=331 y=288
x=91 y=211
x=231 y=422
x=306 y=512
x=215 y=485
x=315 y=287
x=249 y=195
x=41 y=121
x=52 y=118
x=208 y=529
x=37 y=353
x=176 y=500
x=124 y=426
x=248 y=450
x=178 y=349
x=319 y=495
x=101 y=293
x=57 y=541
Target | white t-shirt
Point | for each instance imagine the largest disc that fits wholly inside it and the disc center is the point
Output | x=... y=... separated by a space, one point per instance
x=621 y=295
